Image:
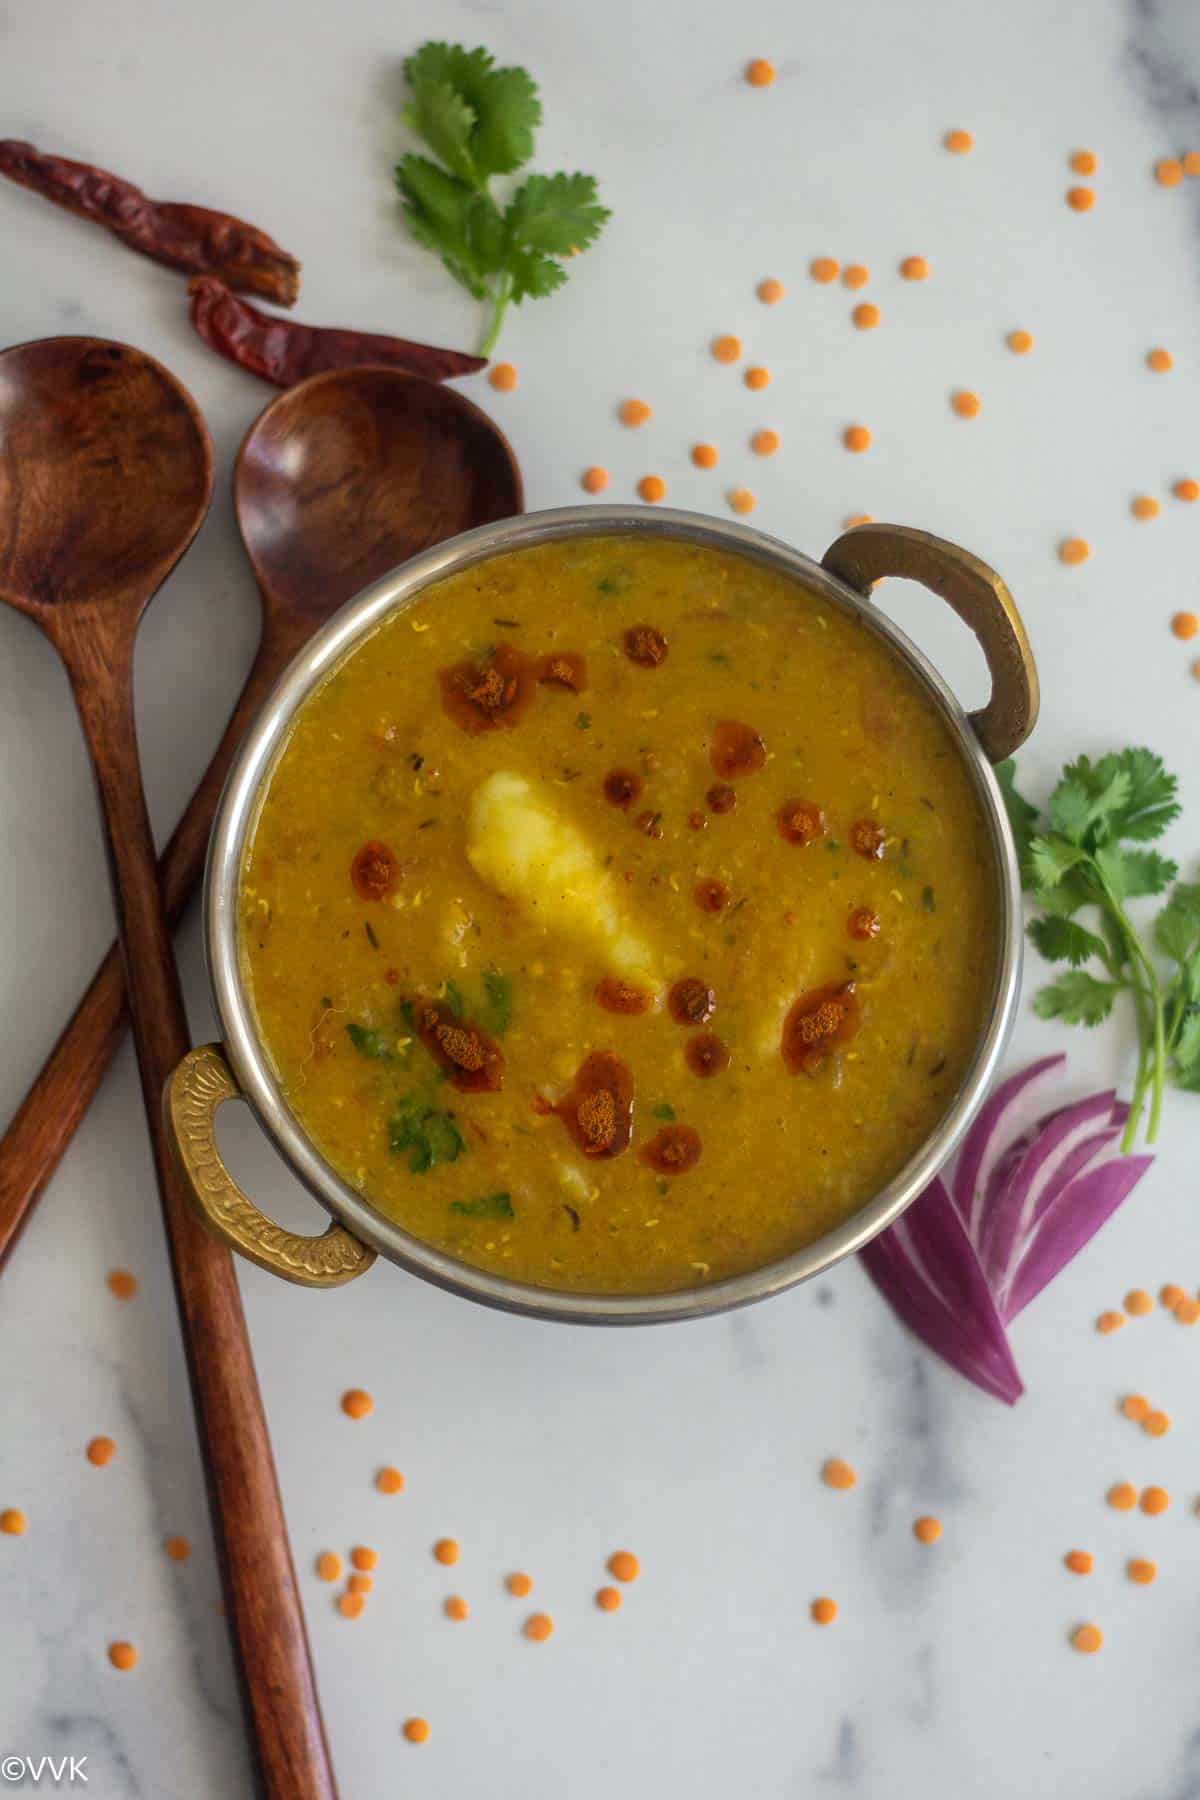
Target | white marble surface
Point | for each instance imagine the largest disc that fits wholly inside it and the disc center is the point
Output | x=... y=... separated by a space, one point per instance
x=947 y=1672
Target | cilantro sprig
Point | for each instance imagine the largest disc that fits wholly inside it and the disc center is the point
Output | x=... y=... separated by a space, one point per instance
x=1087 y=857
x=479 y=122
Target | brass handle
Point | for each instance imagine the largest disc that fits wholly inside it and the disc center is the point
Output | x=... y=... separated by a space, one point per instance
x=201 y=1083
x=980 y=599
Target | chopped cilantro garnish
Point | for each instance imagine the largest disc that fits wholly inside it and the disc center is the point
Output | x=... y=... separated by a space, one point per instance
x=488 y=1206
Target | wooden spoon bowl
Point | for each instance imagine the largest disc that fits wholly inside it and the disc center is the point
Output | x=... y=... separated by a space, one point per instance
x=338 y=481
x=352 y=473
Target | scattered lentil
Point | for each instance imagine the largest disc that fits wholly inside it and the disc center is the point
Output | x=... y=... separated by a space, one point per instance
x=965 y=403
x=1083 y=162
x=538 y=1627
x=1185 y=625
x=416 y=1730
x=100 y=1451
x=1087 y=1639
x=854 y=275
x=389 y=1481
x=1155 y=1500
x=765 y=442
x=362 y=1558
x=1160 y=360
x=760 y=72
x=608 y=1599
x=1140 y=1570
x=1188 y=1311
x=1168 y=172
x=1156 y=1424
x=914 y=268
x=652 y=489
x=1019 y=342
x=742 y=500
x=633 y=413
x=624 y=1565
x=357 y=1403
x=823 y=268
x=121 y=1283
x=329 y=1565
x=456 y=1608
x=837 y=1473
x=771 y=292
x=1135 y=1407
x=857 y=438
x=1170 y=1294
x=503 y=377
x=757 y=378
x=705 y=456
x=727 y=349
x=359 y=1584
x=1080 y=1562
x=1072 y=551
x=1138 y=1303
x=594 y=480
x=959 y=142
x=1081 y=199
x=1122 y=1496
x=13 y=1522
x=350 y=1605
x=519 y=1584
x=823 y=1611
x=122 y=1656
x=177 y=1548
x=1187 y=489
x=927 y=1530
x=866 y=315
x=1144 y=506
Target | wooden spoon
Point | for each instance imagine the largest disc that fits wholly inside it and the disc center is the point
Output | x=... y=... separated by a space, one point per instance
x=339 y=480
x=105 y=477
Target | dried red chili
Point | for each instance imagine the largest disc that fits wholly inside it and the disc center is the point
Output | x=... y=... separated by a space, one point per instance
x=472 y=1061
x=673 y=1150
x=617 y=996
x=374 y=871
x=863 y=924
x=622 y=787
x=192 y=238
x=691 y=1001
x=488 y=696
x=801 y=822
x=868 y=837
x=285 y=352
x=736 y=750
x=598 y=1111
x=711 y=895
x=563 y=668
x=707 y=1054
x=818 y=1023
x=646 y=645
x=721 y=798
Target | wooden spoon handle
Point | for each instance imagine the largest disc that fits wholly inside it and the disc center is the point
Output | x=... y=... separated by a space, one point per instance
x=261 y=1599
x=53 y=1109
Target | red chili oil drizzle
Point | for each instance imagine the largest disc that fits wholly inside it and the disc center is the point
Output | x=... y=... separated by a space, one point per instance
x=818 y=1023
x=721 y=797
x=617 y=996
x=622 y=787
x=801 y=822
x=563 y=668
x=646 y=646
x=472 y=1060
x=691 y=1001
x=707 y=1054
x=863 y=924
x=868 y=837
x=489 y=696
x=598 y=1110
x=736 y=750
x=374 y=871
x=711 y=895
x=673 y=1150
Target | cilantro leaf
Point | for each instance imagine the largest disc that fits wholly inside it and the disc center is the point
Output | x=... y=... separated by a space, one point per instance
x=438 y=114
x=1050 y=858
x=1062 y=940
x=376 y=1046
x=1151 y=805
x=455 y=999
x=509 y=112
x=1187 y=1054
x=1070 y=809
x=479 y=122
x=421 y=1127
x=532 y=276
x=495 y=1012
x=1177 y=927
x=1146 y=872
x=1077 y=998
x=488 y=1206
x=1021 y=815
x=557 y=214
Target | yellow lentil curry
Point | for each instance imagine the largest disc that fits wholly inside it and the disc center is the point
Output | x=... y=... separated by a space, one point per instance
x=617 y=916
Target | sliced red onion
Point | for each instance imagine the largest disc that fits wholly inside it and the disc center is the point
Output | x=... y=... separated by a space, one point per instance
x=1011 y=1210
x=1071 y=1222
x=984 y=1143
x=961 y=1263
x=926 y=1268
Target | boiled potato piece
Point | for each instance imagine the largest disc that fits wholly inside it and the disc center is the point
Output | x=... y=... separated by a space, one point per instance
x=521 y=845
